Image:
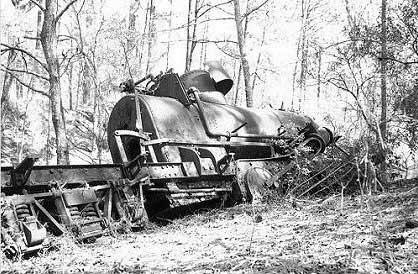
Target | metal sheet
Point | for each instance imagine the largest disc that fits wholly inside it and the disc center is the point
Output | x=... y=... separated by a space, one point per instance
x=79 y=196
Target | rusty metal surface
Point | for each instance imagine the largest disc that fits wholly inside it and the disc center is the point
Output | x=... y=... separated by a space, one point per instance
x=171 y=86
x=46 y=175
x=200 y=79
x=168 y=119
x=79 y=196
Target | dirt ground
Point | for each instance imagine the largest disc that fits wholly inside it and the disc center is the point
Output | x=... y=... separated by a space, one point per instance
x=373 y=234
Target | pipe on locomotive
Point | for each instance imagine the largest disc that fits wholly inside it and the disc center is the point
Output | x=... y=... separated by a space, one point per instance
x=228 y=135
x=315 y=137
x=316 y=141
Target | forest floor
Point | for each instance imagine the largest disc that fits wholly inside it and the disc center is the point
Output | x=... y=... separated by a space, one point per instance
x=370 y=234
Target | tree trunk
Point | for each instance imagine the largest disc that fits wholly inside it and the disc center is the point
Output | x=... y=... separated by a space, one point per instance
x=169 y=33
x=20 y=143
x=299 y=76
x=38 y=28
x=236 y=100
x=7 y=83
x=243 y=54
x=203 y=47
x=49 y=41
x=95 y=141
x=151 y=34
x=383 y=61
x=70 y=85
x=259 y=57
x=66 y=150
x=303 y=49
x=192 y=39
x=98 y=125
x=130 y=43
x=86 y=84
x=144 y=34
x=8 y=80
x=205 y=50
x=187 y=66
x=19 y=91
x=318 y=74
x=87 y=79
x=48 y=136
x=303 y=72
x=237 y=85
x=79 y=84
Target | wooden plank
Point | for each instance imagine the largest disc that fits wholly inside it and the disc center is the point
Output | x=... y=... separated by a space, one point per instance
x=53 y=221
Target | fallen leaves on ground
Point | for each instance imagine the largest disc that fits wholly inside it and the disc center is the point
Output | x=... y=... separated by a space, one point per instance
x=369 y=234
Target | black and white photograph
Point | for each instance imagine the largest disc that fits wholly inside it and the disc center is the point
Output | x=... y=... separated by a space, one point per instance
x=209 y=136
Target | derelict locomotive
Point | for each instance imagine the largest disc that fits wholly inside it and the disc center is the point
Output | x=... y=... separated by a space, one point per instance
x=174 y=141
x=185 y=126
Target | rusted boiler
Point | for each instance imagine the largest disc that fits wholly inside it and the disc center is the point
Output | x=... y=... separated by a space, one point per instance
x=184 y=127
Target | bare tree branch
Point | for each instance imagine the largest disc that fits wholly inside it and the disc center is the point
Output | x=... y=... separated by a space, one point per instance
x=38 y=5
x=64 y=70
x=64 y=10
x=345 y=88
x=215 y=41
x=210 y=7
x=248 y=13
x=32 y=38
x=26 y=84
x=25 y=71
x=26 y=52
x=399 y=61
x=200 y=22
x=349 y=41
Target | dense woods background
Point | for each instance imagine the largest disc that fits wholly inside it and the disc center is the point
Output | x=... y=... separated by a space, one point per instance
x=351 y=64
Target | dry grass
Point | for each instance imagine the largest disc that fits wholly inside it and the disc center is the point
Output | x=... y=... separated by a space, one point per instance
x=287 y=237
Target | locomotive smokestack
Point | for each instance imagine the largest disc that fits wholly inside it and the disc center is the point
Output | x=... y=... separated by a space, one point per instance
x=223 y=81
